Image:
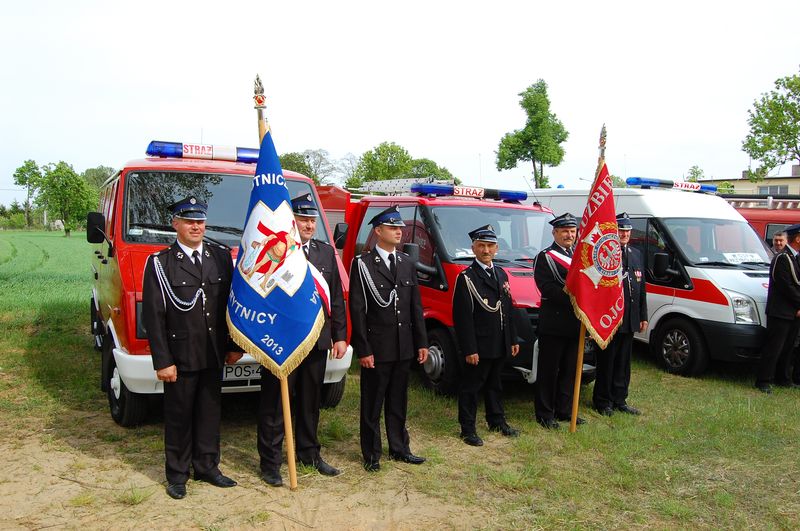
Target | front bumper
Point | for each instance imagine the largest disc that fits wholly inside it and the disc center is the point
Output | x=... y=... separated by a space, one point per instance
x=732 y=342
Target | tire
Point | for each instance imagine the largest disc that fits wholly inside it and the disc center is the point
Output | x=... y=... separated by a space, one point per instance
x=97 y=326
x=680 y=348
x=332 y=393
x=127 y=408
x=440 y=371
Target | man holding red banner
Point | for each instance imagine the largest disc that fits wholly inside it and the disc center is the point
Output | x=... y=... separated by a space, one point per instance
x=558 y=327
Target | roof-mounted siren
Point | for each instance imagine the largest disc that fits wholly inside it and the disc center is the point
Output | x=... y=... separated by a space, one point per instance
x=645 y=182
x=178 y=150
x=510 y=196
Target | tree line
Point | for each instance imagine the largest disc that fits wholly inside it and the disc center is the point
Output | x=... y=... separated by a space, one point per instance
x=55 y=191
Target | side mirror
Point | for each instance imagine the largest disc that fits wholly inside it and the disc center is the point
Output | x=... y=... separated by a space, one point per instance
x=95 y=223
x=412 y=250
x=661 y=267
x=339 y=235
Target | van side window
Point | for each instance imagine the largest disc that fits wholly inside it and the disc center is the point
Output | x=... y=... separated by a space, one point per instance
x=648 y=240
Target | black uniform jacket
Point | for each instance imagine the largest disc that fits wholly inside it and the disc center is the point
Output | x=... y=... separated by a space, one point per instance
x=478 y=330
x=633 y=286
x=181 y=338
x=783 y=297
x=556 y=316
x=323 y=257
x=393 y=333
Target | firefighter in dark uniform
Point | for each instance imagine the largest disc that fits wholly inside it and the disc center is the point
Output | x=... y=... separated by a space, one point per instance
x=388 y=331
x=485 y=330
x=558 y=328
x=184 y=297
x=307 y=379
x=783 y=310
x=614 y=363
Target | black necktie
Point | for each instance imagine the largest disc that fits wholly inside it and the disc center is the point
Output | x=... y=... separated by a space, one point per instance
x=198 y=263
x=490 y=271
x=392 y=268
x=305 y=250
x=625 y=258
x=569 y=251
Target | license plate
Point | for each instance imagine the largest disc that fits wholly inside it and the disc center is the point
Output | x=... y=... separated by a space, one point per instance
x=246 y=371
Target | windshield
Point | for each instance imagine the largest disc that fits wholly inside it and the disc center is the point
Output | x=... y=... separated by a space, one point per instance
x=148 y=194
x=521 y=232
x=717 y=241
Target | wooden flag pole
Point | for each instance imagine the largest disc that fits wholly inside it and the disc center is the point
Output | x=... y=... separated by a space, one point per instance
x=287 y=426
x=260 y=101
x=573 y=421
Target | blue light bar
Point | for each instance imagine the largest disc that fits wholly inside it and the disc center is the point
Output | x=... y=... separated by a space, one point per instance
x=201 y=151
x=645 y=182
x=468 y=191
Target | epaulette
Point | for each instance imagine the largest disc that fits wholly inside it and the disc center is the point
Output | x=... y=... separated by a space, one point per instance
x=399 y=252
x=162 y=251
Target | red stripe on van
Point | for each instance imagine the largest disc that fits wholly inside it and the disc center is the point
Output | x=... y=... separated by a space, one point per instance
x=704 y=291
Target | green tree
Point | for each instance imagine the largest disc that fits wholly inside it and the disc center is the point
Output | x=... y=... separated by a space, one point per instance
x=15 y=208
x=725 y=187
x=774 y=121
x=425 y=168
x=618 y=182
x=347 y=167
x=66 y=194
x=385 y=161
x=539 y=141
x=323 y=169
x=97 y=176
x=3 y=211
x=28 y=175
x=295 y=161
x=695 y=174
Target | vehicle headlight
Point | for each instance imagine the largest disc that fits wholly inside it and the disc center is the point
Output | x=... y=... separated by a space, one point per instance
x=744 y=308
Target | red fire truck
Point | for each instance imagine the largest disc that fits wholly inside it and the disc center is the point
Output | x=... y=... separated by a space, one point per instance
x=438 y=218
x=767 y=214
x=134 y=222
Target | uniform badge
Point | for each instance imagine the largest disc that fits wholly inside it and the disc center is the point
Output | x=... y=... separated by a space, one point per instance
x=193 y=201
x=205 y=252
x=179 y=255
x=638 y=274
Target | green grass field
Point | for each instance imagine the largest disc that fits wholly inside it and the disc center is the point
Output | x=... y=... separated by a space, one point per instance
x=709 y=452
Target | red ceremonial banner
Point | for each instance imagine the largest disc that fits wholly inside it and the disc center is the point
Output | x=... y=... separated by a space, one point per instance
x=594 y=282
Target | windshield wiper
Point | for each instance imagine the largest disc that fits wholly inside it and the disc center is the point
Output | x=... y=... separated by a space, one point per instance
x=724 y=264
x=756 y=263
x=223 y=228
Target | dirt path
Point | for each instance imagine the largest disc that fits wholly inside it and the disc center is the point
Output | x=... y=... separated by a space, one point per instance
x=50 y=483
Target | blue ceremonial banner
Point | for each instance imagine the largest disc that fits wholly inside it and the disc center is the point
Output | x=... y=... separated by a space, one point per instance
x=275 y=311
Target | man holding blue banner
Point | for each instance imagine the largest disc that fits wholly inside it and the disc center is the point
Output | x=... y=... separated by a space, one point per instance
x=278 y=301
x=307 y=379
x=388 y=331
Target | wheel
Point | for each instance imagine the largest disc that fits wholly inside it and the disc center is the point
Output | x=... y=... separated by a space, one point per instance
x=332 y=393
x=127 y=408
x=679 y=347
x=440 y=370
x=97 y=326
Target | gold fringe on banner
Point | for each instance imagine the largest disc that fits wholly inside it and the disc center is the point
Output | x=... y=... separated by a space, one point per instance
x=292 y=361
x=588 y=324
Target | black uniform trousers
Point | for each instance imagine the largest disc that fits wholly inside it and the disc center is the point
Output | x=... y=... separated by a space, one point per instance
x=780 y=343
x=192 y=438
x=306 y=382
x=384 y=387
x=555 y=376
x=786 y=369
x=613 y=372
x=485 y=375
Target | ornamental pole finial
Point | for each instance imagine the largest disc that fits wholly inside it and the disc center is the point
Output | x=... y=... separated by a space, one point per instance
x=603 y=142
x=261 y=104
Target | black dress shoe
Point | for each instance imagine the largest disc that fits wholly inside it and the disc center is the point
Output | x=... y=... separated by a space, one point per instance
x=372 y=466
x=630 y=410
x=550 y=424
x=472 y=439
x=272 y=478
x=323 y=468
x=176 y=491
x=218 y=480
x=505 y=429
x=578 y=420
x=407 y=458
x=764 y=388
x=605 y=411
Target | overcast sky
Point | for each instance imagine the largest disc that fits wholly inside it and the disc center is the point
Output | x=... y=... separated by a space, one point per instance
x=92 y=83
